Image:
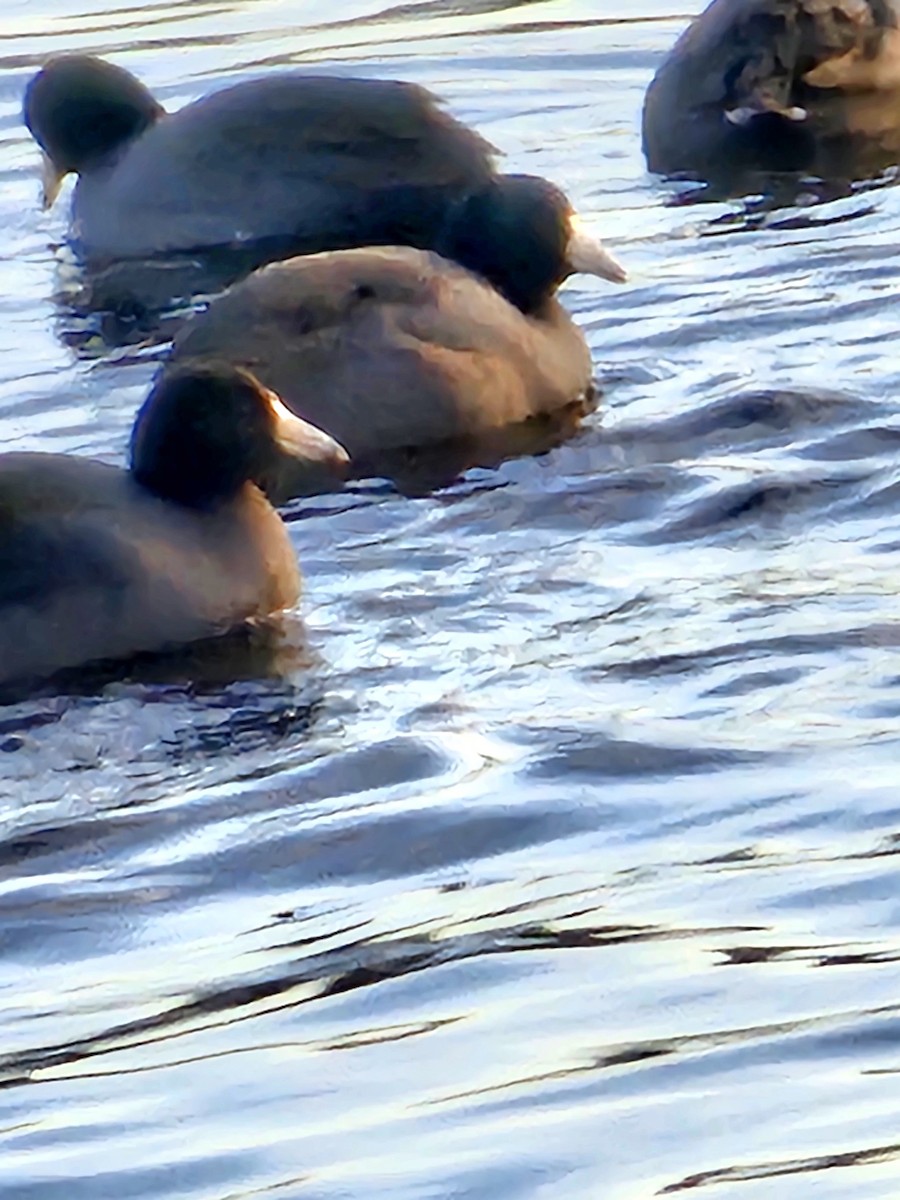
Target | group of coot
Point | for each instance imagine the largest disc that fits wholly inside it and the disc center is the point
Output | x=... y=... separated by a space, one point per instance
x=388 y=291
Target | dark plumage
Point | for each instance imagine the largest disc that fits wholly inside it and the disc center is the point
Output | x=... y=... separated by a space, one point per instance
x=97 y=562
x=306 y=162
x=779 y=85
x=394 y=347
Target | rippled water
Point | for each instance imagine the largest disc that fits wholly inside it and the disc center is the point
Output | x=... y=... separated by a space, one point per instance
x=550 y=849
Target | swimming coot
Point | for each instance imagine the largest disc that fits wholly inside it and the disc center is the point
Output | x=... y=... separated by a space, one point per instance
x=299 y=161
x=395 y=347
x=98 y=562
x=779 y=85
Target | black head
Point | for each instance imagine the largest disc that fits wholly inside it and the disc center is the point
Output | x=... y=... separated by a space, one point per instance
x=207 y=429
x=517 y=232
x=79 y=109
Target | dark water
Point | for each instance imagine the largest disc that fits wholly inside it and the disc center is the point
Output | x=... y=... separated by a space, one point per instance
x=550 y=849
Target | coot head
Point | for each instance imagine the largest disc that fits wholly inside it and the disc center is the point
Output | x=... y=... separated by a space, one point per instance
x=521 y=234
x=81 y=109
x=207 y=429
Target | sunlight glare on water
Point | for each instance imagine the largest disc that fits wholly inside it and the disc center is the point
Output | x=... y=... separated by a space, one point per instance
x=552 y=851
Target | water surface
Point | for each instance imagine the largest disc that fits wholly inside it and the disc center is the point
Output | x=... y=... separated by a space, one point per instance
x=550 y=848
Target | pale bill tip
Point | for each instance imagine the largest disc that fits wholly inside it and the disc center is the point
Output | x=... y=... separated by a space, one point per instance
x=305 y=441
x=742 y=116
x=51 y=181
x=588 y=256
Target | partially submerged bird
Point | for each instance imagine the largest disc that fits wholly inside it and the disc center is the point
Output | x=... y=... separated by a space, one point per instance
x=779 y=85
x=97 y=562
x=301 y=162
x=391 y=348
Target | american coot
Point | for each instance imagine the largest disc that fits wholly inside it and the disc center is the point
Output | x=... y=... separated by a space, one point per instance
x=393 y=347
x=97 y=562
x=304 y=162
x=779 y=85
